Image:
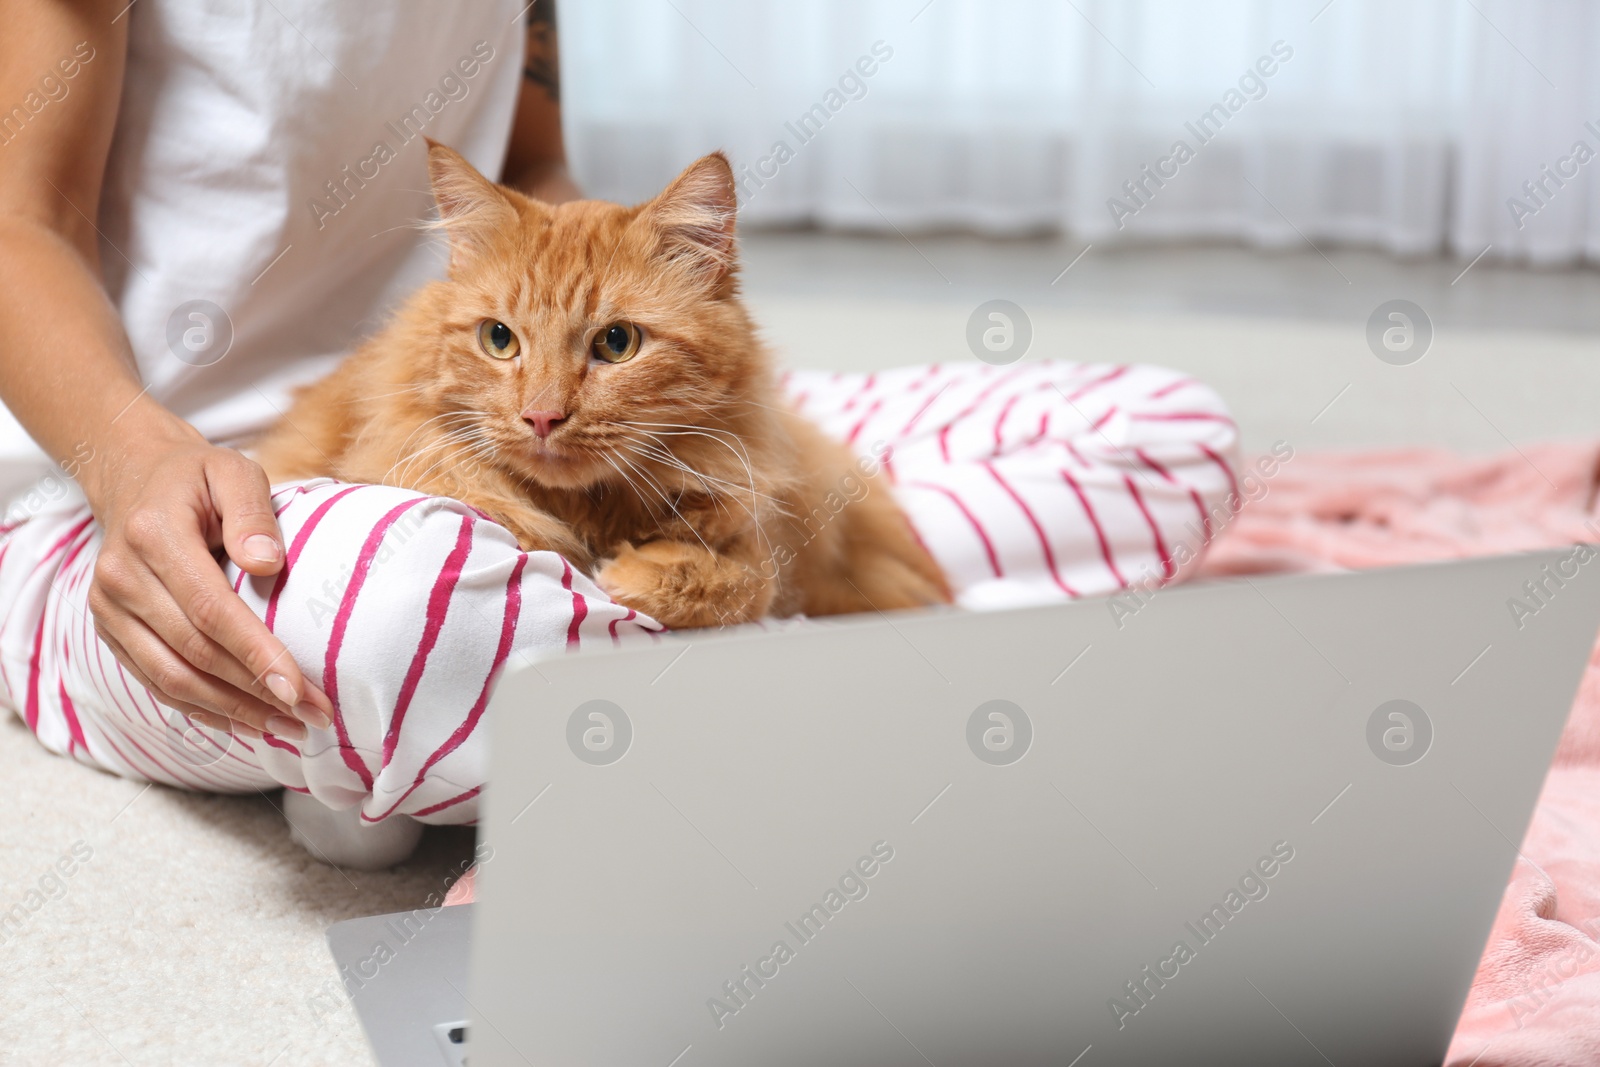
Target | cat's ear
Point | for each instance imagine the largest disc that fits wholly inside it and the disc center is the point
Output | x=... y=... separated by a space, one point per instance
x=695 y=216
x=471 y=210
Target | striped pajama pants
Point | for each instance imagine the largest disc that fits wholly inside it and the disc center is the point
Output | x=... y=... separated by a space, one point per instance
x=1038 y=481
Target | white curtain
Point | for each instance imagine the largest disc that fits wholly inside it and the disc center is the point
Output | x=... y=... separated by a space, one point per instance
x=1410 y=125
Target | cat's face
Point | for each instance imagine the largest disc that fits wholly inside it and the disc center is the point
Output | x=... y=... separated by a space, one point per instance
x=591 y=343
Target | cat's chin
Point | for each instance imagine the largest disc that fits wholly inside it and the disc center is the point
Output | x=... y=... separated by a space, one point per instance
x=564 y=470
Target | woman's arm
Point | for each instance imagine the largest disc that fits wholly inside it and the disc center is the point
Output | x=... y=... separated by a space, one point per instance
x=164 y=496
x=536 y=163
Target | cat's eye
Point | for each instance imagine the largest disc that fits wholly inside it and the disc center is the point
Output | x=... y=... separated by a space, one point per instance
x=617 y=343
x=497 y=340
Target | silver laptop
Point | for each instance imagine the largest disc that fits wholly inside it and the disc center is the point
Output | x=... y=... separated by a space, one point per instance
x=1249 y=822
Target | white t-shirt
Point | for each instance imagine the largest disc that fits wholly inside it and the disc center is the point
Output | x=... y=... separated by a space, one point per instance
x=261 y=200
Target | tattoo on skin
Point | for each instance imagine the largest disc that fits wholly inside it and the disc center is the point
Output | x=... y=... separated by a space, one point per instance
x=543 y=67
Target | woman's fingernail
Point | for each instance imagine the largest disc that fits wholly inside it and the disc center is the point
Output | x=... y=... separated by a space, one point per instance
x=263 y=549
x=284 y=726
x=281 y=688
x=312 y=715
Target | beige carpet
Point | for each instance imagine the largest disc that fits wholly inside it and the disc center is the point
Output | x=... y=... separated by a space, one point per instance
x=191 y=934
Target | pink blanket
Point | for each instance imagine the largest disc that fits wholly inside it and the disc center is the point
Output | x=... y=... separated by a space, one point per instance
x=1536 y=999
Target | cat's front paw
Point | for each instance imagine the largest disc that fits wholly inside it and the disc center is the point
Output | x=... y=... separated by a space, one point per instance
x=683 y=586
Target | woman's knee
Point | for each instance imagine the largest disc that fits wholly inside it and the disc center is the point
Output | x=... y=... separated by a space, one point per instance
x=373 y=572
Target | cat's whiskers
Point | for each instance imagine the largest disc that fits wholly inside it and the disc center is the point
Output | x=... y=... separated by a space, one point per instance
x=657 y=441
x=369 y=424
x=402 y=466
x=443 y=443
x=422 y=426
x=716 y=497
x=454 y=413
x=450 y=449
x=679 y=429
x=665 y=499
x=417 y=389
x=655 y=455
x=661 y=454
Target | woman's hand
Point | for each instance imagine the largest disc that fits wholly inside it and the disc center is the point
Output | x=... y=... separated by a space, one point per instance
x=167 y=501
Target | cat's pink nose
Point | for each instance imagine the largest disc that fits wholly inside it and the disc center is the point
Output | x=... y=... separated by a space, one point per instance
x=543 y=421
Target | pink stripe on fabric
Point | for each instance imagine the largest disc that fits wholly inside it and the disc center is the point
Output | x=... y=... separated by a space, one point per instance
x=293 y=490
x=70 y=713
x=66 y=539
x=1171 y=387
x=1044 y=542
x=1167 y=569
x=130 y=764
x=157 y=723
x=133 y=764
x=580 y=607
x=160 y=725
x=985 y=393
x=452 y=802
x=872 y=409
x=863 y=390
x=1044 y=428
x=31 y=712
x=926 y=404
x=75 y=551
x=31 y=709
x=1148 y=461
x=1083 y=390
x=1227 y=471
x=631 y=615
x=1183 y=416
x=1205 y=516
x=1099 y=531
x=977 y=402
x=983 y=535
x=480 y=513
x=928 y=375
x=296 y=547
x=444 y=587
x=1104 y=418
x=341 y=620
x=196 y=780
x=508 y=632
x=274 y=741
x=1000 y=423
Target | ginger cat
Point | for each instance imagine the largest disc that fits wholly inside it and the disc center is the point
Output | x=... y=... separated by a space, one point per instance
x=588 y=377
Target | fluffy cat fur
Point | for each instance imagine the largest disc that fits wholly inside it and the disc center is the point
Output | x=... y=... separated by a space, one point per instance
x=680 y=480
